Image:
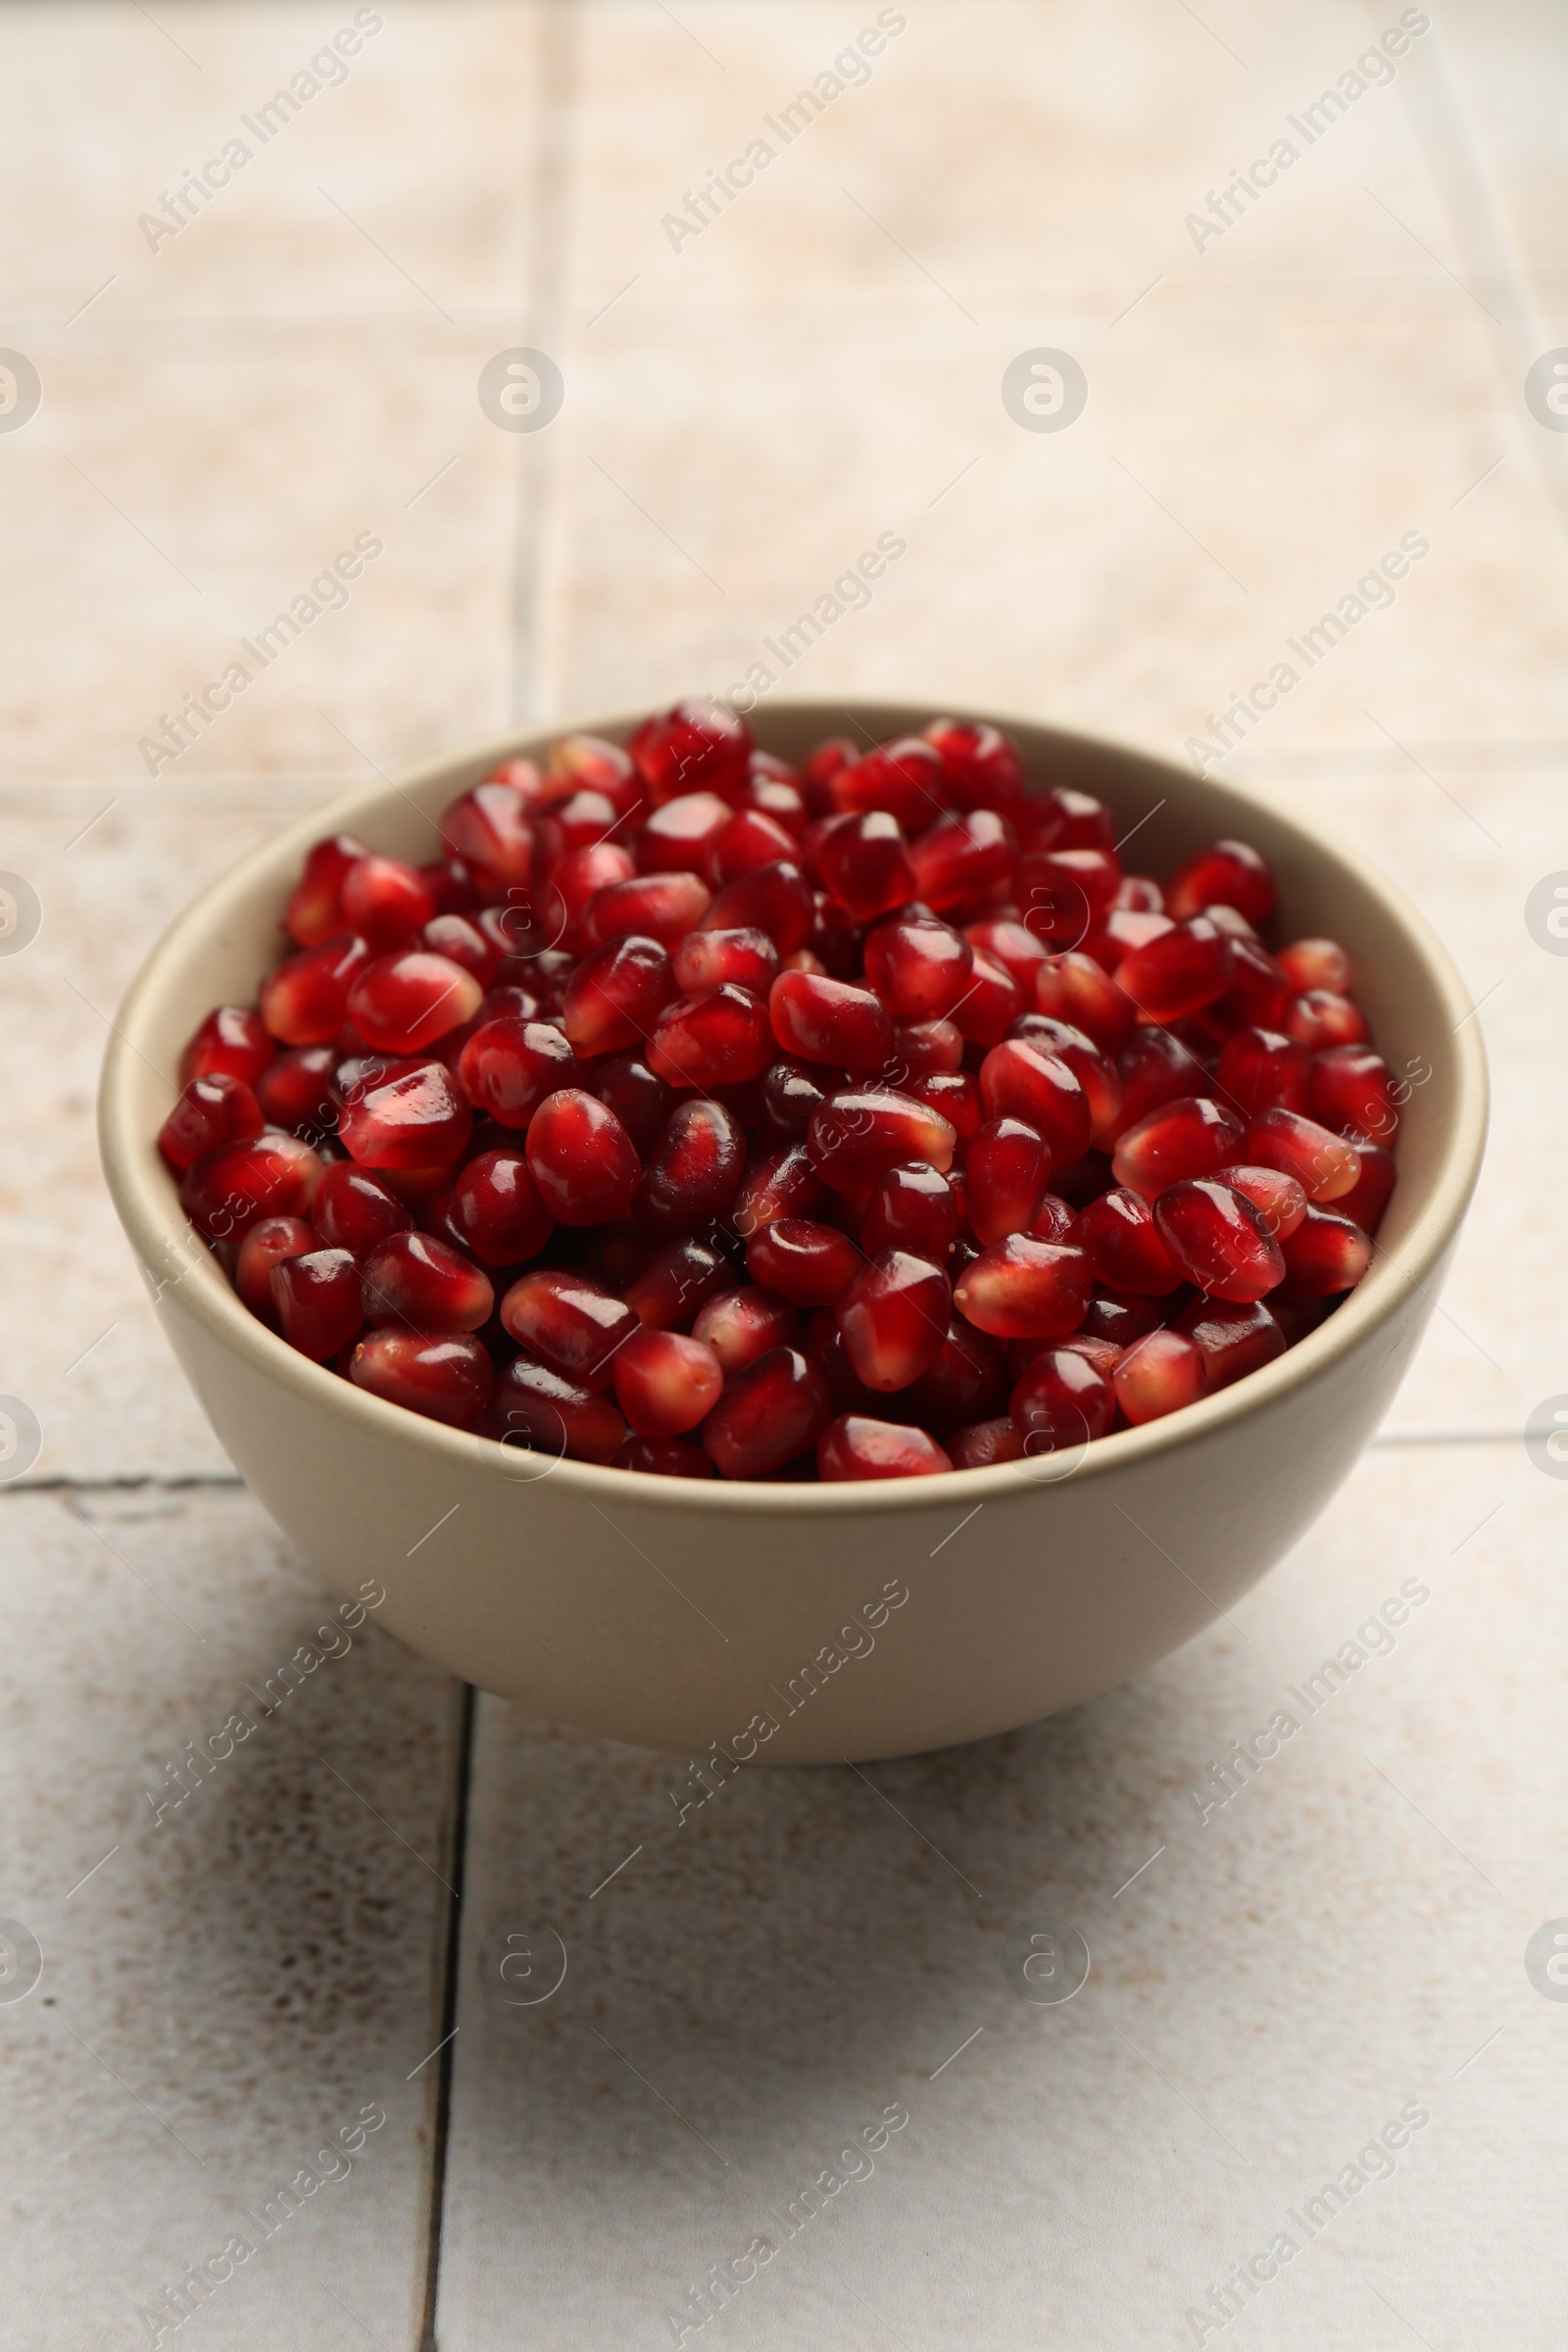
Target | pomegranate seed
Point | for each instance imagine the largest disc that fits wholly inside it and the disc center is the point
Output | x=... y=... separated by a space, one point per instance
x=968 y=1382
x=508 y=1068
x=819 y=769
x=715 y=1040
x=960 y=857
x=748 y=839
x=1351 y=1087
x=403 y=1003
x=412 y=1278
x=266 y=1246
x=315 y=911
x=1368 y=1197
x=386 y=901
x=981 y=765
x=913 y=1207
x=1006 y=1174
x=918 y=969
x=678 y=837
x=1121 y=1319
x=1261 y=1070
x=990 y=1004
x=452 y=889
x=771 y=1413
x=1053 y=1220
x=984 y=1443
x=353 y=1211
x=315 y=1298
x=1180 y=971
x=706 y=959
x=894 y=1319
x=641 y=1101
x=1119 y=1235
x=696 y=746
x=661 y=906
x=463 y=942
x=1324 y=1165
x=1071 y=821
x=825 y=1345
x=1074 y=988
x=856 y=1446
x=1234 y=1339
x=1103 y=1355
x=1319 y=1019
x=1258 y=994
x=1002 y=939
x=1219 y=1239
x=695 y=1170
x=1021 y=1288
x=581 y=1158
x=1310 y=964
x=776 y=899
x=904 y=779
x=781 y=1182
x=1066 y=893
x=1325 y=1254
x=569 y=1320
x=792 y=1092
x=1228 y=873
x=233 y=1041
x=1278 y=1199
x=616 y=995
x=1159 y=1373
x=1140 y=894
x=580 y=821
x=669 y=1290
x=538 y=1409
x=496 y=1209
x=574 y=883
x=1063 y=1400
x=488 y=828
x=864 y=861
x=305 y=998
x=666 y=1383
x=827 y=1020
x=805 y=1263
x=740 y=1325
x=921 y=1049
x=1094 y=1070
x=588 y=762
x=954 y=1095
x=1016 y=1082
x=234 y=1185
x=1192 y=1136
x=216 y=1109
x=663 y=1458
x=1157 y=1068
x=416 y=1120
x=445 y=1375
x=861 y=1131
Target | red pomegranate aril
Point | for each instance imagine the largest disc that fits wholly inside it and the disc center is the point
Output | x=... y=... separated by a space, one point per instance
x=1017 y=1082
x=417 y=1119
x=1006 y=1172
x=1368 y=1197
x=1053 y=1220
x=231 y=1041
x=1278 y=1197
x=982 y=1445
x=616 y=995
x=1066 y=891
x=918 y=969
x=536 y=1409
x=669 y=1292
x=489 y=829
x=1234 y=1338
x=414 y=1279
x=740 y=1325
x=1074 y=988
x=579 y=821
x=296 y=1091
x=864 y=861
x=1122 y=1319
x=1323 y=1163
x=1157 y=1067
x=640 y=1100
x=661 y=907
x=923 y=1049
x=820 y=767
x=210 y=1110
x=1021 y=1288
x=1064 y=819
x=1350 y=1087
x=496 y=1209
x=807 y=1263
x=1319 y=1019
x=588 y=763
x=508 y=1068
x=904 y=779
x=1063 y=1400
x=769 y=1414
x=1003 y=940
x=678 y=837
x=792 y=1092
x=1094 y=1070
x=911 y=1206
x=1125 y=1250
x=982 y=765
x=1258 y=994
x=1310 y=964
x=574 y=884
x=452 y=889
x=968 y=1382
x=268 y=1245
x=1227 y=873
x=989 y=1006
x=748 y=839
x=954 y=1095
x=858 y=1131
x=695 y=746
x=569 y=1320
x=305 y=998
x=1103 y=1355
x=1140 y=894
x=819 y=1019
x=666 y=1383
x=446 y=1376
x=774 y=899
x=234 y=1185
x=403 y=1003
x=962 y=856
x=856 y=1446
x=1159 y=1373
x=705 y=959
x=894 y=1319
x=1261 y=1069
x=823 y=1343
x=354 y=1211
x=781 y=1182
x=1180 y=971
x=663 y=1458
x=386 y=901
x=315 y=1298
x=1219 y=1239
x=695 y=1169
x=1189 y=1137
x=1325 y=1254
x=581 y=1158
x=314 y=910
x=718 y=1038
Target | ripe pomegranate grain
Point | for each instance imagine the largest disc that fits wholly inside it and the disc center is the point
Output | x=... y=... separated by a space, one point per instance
x=715 y=1040
x=232 y=1040
x=570 y=1321
x=776 y=899
x=616 y=995
x=911 y=1206
x=536 y=1409
x=1323 y=1165
x=1235 y=1339
x=417 y=1119
x=858 y=1131
x=1310 y=964
x=581 y=1158
x=1278 y=1199
x=412 y=1278
x=1325 y=1254
x=315 y=1298
x=918 y=969
x=233 y=1186
x=1021 y=1288
x=1261 y=1069
x=386 y=901
x=769 y=1414
x=855 y=1446
x=740 y=1325
x=210 y=1110
x=1063 y=1400
x=894 y=1319
x=1125 y=1248
x=1219 y=1239
x=266 y=1246
x=446 y=1376
x=667 y=1292
x=1228 y=873
x=508 y=1068
x=665 y=1381
x=1189 y=1137
x=1352 y=1087
x=694 y=1171
x=1157 y=1375
x=827 y=1020
x=706 y=959
x=807 y=1263
x=983 y=1444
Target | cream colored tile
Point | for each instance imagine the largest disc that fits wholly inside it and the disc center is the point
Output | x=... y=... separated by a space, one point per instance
x=1339 y=1939
x=223 y=1988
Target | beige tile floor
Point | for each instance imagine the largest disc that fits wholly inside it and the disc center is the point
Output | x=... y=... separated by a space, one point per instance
x=823 y=363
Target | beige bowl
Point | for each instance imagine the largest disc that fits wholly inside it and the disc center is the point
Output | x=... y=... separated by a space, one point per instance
x=799 y=1624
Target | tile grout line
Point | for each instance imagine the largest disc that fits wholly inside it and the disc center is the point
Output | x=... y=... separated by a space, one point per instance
x=442 y=2132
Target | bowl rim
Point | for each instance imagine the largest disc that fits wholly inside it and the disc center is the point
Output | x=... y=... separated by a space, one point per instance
x=147 y=1202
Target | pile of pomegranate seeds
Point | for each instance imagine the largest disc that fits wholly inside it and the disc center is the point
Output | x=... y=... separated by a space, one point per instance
x=700 y=1116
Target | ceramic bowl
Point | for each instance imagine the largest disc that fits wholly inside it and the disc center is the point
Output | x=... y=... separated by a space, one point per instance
x=800 y=1623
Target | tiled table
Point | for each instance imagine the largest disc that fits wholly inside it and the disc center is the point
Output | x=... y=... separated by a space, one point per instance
x=236 y=1982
